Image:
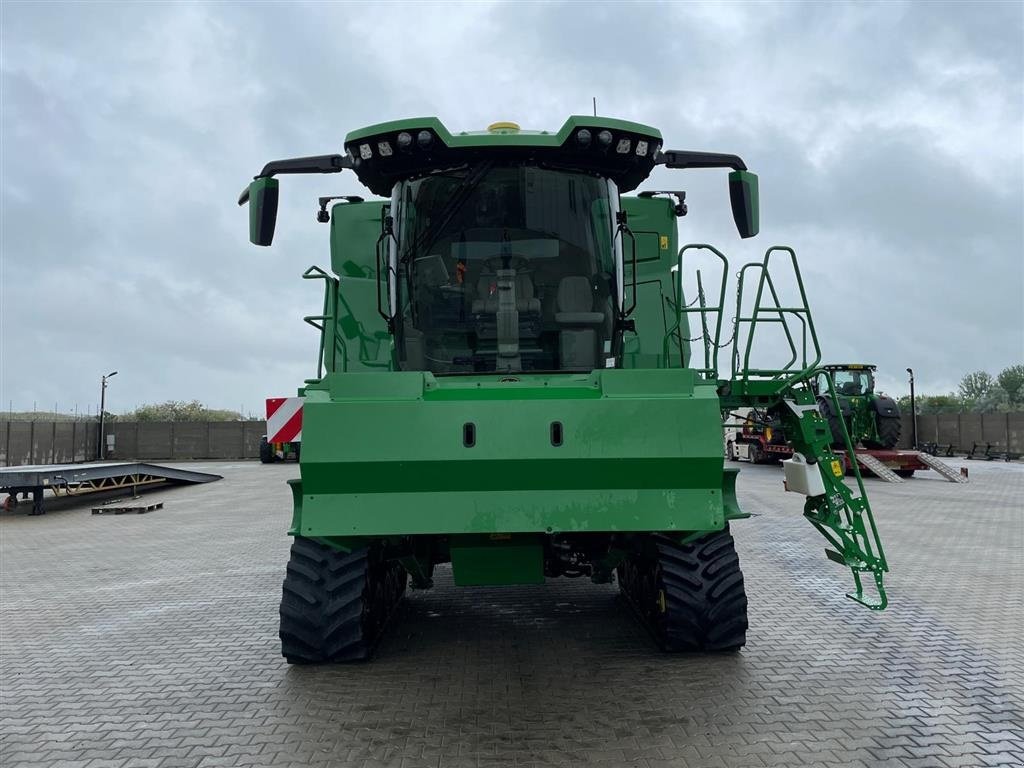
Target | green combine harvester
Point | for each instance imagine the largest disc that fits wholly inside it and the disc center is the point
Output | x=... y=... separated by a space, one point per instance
x=513 y=380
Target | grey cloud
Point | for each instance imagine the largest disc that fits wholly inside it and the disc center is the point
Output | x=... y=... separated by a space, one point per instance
x=888 y=138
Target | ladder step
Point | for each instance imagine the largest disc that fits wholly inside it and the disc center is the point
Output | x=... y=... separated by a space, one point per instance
x=878 y=468
x=942 y=468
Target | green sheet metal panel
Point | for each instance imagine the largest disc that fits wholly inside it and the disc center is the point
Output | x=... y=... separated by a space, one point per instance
x=384 y=454
x=368 y=345
x=652 y=221
x=355 y=228
x=496 y=560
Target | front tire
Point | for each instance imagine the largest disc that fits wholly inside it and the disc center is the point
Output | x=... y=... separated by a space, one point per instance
x=755 y=453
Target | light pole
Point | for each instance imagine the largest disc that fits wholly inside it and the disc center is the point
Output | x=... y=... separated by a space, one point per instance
x=103 y=403
x=913 y=408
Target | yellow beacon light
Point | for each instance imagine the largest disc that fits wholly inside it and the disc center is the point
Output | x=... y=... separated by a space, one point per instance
x=503 y=126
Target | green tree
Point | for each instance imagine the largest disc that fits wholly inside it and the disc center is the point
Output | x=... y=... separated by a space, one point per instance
x=950 y=403
x=177 y=410
x=976 y=387
x=1011 y=381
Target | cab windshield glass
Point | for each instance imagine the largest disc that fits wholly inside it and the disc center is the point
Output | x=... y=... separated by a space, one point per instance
x=853 y=383
x=504 y=268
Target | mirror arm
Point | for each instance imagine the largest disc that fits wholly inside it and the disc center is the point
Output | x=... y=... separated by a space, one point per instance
x=312 y=164
x=674 y=158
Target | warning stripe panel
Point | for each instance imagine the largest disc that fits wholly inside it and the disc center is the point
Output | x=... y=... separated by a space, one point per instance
x=273 y=403
x=284 y=419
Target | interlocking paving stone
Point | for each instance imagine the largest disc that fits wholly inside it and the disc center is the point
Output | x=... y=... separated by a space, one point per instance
x=151 y=641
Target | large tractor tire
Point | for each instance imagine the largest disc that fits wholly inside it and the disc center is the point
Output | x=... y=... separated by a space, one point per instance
x=889 y=429
x=835 y=424
x=336 y=605
x=691 y=596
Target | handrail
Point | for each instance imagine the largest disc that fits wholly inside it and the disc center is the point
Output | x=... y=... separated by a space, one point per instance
x=790 y=372
x=711 y=345
x=328 y=325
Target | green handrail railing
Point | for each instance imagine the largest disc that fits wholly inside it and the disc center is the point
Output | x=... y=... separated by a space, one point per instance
x=327 y=324
x=699 y=307
x=798 y=367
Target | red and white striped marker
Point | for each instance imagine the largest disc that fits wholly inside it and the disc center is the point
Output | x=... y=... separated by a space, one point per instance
x=284 y=419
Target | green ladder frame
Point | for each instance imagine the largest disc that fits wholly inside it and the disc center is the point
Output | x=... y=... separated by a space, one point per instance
x=840 y=514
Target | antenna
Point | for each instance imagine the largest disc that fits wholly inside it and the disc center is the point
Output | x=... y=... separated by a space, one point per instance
x=595 y=106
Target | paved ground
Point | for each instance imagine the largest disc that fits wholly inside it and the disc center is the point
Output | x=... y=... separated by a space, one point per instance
x=151 y=641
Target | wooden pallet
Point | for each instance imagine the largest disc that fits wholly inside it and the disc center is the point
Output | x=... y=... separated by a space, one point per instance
x=137 y=510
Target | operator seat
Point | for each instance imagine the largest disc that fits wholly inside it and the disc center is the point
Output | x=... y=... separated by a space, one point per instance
x=487 y=302
x=578 y=324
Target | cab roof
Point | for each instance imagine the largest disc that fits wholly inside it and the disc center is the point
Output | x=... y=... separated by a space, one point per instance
x=850 y=367
x=385 y=153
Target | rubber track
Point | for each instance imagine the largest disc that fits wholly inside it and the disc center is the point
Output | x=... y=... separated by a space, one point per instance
x=705 y=599
x=322 y=606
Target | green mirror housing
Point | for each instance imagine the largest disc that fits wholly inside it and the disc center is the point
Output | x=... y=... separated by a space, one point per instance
x=745 y=206
x=262 y=195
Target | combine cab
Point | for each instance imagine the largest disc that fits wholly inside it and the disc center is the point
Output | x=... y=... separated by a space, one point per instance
x=507 y=382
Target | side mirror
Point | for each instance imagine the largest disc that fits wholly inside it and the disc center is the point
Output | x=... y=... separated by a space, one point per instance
x=745 y=208
x=262 y=198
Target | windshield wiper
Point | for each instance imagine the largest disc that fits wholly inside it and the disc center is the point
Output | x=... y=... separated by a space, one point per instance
x=462 y=193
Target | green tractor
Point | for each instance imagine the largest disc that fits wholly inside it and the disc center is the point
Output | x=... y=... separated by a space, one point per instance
x=871 y=419
x=506 y=384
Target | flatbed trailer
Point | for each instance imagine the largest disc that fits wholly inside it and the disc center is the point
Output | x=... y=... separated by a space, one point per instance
x=79 y=479
x=891 y=465
x=901 y=463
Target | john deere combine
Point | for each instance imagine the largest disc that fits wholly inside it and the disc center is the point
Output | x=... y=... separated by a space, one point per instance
x=506 y=383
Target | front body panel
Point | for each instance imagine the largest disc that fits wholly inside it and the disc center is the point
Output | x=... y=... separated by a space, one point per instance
x=386 y=454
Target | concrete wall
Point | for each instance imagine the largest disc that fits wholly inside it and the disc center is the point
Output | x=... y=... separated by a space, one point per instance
x=962 y=430
x=45 y=442
x=65 y=442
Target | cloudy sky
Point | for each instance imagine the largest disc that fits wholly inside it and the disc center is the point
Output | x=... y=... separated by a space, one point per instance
x=888 y=139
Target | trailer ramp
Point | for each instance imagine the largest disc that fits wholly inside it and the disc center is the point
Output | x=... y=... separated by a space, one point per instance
x=942 y=468
x=878 y=469
x=80 y=479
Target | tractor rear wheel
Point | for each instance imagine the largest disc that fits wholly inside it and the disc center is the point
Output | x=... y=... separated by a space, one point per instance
x=889 y=429
x=835 y=424
x=690 y=596
x=335 y=605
